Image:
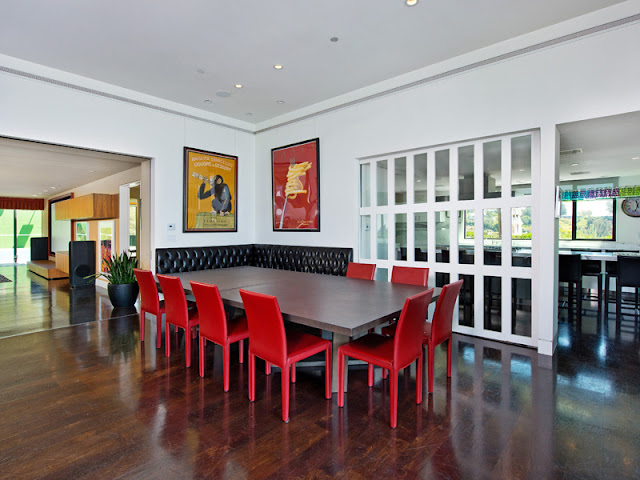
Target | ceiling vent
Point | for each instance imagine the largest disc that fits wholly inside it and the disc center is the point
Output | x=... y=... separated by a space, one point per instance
x=575 y=151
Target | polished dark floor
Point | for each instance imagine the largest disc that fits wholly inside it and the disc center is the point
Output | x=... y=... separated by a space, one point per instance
x=91 y=401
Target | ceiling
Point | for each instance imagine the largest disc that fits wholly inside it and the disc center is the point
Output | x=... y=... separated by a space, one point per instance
x=609 y=146
x=40 y=170
x=186 y=52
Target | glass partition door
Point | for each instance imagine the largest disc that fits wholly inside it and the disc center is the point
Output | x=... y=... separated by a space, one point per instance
x=466 y=211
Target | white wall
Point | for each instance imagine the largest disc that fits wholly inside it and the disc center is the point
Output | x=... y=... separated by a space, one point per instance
x=591 y=77
x=35 y=110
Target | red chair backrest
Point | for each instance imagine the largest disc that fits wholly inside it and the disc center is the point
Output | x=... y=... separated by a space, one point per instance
x=442 y=317
x=267 y=337
x=213 y=318
x=407 y=341
x=364 y=271
x=410 y=275
x=149 y=299
x=175 y=301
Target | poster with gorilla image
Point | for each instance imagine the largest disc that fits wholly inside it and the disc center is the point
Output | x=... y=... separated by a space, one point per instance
x=295 y=174
x=210 y=192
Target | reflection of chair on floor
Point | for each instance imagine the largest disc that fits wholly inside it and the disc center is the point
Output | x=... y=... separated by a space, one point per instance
x=628 y=276
x=570 y=272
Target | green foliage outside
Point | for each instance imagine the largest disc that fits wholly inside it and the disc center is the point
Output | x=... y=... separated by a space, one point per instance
x=29 y=224
x=588 y=225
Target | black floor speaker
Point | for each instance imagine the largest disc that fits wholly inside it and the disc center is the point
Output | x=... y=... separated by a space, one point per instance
x=39 y=248
x=82 y=263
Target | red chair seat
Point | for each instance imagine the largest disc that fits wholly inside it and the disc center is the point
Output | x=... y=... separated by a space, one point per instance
x=302 y=345
x=372 y=348
x=237 y=329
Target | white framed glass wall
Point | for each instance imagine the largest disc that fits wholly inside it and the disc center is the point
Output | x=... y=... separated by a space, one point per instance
x=466 y=211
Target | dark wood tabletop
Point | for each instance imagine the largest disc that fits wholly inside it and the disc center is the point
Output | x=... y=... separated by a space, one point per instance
x=341 y=305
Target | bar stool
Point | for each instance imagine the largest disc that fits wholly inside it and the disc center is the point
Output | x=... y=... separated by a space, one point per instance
x=593 y=268
x=628 y=276
x=570 y=272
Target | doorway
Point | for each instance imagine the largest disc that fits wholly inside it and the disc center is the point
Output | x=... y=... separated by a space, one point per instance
x=16 y=229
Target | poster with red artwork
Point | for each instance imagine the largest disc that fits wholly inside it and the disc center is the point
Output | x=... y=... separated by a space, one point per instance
x=295 y=176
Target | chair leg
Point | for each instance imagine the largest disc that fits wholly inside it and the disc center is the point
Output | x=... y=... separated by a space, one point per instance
x=618 y=301
x=579 y=301
x=241 y=351
x=430 y=358
x=419 y=378
x=187 y=346
x=606 y=296
x=252 y=377
x=194 y=332
x=285 y=393
x=393 y=380
x=142 y=318
x=340 y=378
x=327 y=372
x=449 y=348
x=599 y=296
x=159 y=330
x=226 y=355
x=293 y=373
x=267 y=368
x=202 y=342
x=370 y=376
x=385 y=373
x=167 y=343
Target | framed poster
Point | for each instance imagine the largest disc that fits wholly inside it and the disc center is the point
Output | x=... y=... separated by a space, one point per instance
x=295 y=177
x=106 y=228
x=210 y=192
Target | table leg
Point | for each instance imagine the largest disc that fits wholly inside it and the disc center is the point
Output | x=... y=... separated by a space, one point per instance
x=338 y=341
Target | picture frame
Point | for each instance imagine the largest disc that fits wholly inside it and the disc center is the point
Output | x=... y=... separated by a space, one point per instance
x=106 y=235
x=210 y=201
x=295 y=187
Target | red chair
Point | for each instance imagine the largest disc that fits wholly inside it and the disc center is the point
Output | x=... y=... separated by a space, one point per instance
x=149 y=302
x=440 y=330
x=392 y=353
x=269 y=341
x=410 y=275
x=365 y=271
x=216 y=327
x=177 y=313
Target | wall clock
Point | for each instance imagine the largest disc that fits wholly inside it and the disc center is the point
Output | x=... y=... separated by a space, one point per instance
x=631 y=206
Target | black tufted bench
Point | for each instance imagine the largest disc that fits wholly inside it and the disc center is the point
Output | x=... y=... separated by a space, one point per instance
x=326 y=260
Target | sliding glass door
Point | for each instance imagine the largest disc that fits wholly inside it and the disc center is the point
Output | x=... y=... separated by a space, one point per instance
x=16 y=229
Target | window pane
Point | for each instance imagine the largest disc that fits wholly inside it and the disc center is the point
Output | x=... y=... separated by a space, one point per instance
x=442 y=279
x=28 y=225
x=492 y=304
x=442 y=176
x=382 y=191
x=420 y=233
x=594 y=220
x=382 y=274
x=401 y=236
x=382 y=238
x=466 y=247
x=365 y=236
x=566 y=221
x=521 y=236
x=466 y=301
x=420 y=178
x=521 y=166
x=82 y=231
x=401 y=180
x=492 y=156
x=521 y=306
x=365 y=185
x=465 y=173
x=492 y=236
x=442 y=237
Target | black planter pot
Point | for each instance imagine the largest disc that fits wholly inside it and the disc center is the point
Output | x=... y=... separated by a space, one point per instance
x=123 y=295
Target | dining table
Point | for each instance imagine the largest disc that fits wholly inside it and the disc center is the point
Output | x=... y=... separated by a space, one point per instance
x=341 y=307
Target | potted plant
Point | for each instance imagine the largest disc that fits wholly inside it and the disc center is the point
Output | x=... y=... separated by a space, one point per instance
x=123 y=288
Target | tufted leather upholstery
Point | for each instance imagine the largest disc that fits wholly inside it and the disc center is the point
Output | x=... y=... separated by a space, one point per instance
x=326 y=260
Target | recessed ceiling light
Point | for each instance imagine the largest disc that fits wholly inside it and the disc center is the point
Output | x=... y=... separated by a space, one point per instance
x=278 y=67
x=207 y=101
x=238 y=85
x=52 y=188
x=418 y=181
x=411 y=3
x=635 y=158
x=249 y=114
x=34 y=195
x=521 y=170
x=280 y=102
x=334 y=39
x=575 y=164
x=223 y=94
x=92 y=171
x=200 y=71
